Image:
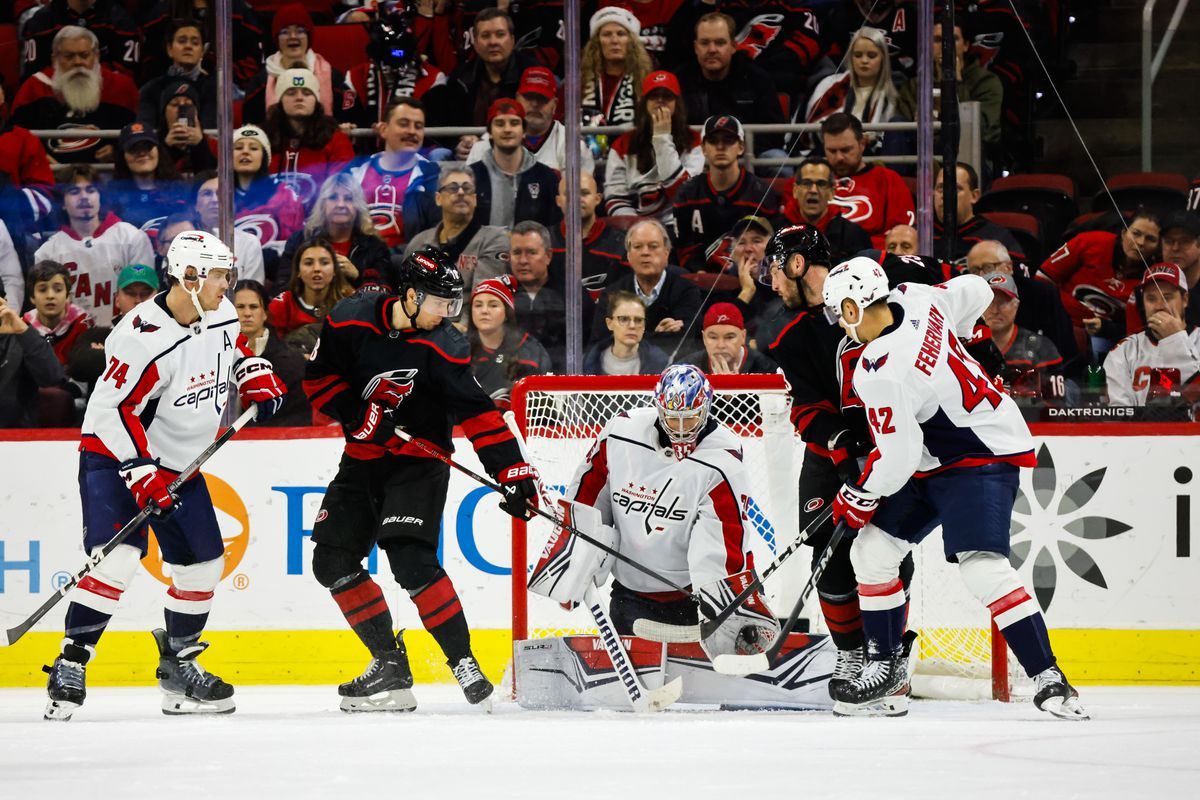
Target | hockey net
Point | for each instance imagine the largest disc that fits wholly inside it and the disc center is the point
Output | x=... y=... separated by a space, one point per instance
x=560 y=417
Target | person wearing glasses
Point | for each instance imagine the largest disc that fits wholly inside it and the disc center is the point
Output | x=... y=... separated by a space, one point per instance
x=479 y=251
x=623 y=352
x=810 y=202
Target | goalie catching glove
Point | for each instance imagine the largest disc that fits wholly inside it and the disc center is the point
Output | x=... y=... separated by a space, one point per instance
x=519 y=483
x=568 y=561
x=257 y=384
x=752 y=628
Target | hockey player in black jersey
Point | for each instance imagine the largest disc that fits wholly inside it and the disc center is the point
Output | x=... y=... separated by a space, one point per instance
x=384 y=362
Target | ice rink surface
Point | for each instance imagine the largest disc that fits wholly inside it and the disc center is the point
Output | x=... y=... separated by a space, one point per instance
x=294 y=742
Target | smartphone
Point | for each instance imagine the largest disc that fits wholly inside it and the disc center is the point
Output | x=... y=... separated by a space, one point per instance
x=187 y=115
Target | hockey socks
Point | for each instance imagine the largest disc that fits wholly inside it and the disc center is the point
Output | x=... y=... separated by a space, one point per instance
x=1024 y=629
x=883 y=608
x=843 y=619
x=92 y=606
x=361 y=601
x=186 y=613
x=442 y=615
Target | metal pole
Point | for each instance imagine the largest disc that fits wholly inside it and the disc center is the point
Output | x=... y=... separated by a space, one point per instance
x=949 y=120
x=1147 y=80
x=925 y=126
x=573 y=229
x=224 y=55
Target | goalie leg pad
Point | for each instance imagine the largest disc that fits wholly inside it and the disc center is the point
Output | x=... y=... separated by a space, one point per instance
x=569 y=562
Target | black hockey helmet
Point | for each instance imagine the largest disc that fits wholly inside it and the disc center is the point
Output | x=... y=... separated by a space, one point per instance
x=803 y=239
x=432 y=273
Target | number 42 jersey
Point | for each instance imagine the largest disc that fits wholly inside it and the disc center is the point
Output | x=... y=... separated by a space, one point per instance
x=930 y=405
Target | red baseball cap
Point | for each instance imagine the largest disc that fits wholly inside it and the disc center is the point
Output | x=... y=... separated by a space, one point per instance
x=1166 y=272
x=540 y=81
x=661 y=79
x=503 y=287
x=724 y=314
x=505 y=105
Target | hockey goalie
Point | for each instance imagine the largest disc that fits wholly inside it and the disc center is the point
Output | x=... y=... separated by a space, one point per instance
x=666 y=488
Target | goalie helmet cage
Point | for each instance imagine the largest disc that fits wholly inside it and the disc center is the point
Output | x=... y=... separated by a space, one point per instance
x=960 y=655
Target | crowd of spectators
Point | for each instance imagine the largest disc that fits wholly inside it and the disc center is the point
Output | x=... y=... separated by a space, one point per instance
x=674 y=221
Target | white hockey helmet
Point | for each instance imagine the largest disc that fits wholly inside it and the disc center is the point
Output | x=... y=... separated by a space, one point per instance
x=861 y=280
x=192 y=255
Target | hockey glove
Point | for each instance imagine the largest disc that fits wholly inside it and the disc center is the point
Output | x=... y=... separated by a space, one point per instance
x=150 y=486
x=846 y=448
x=519 y=483
x=257 y=383
x=854 y=506
x=752 y=628
x=376 y=427
x=386 y=392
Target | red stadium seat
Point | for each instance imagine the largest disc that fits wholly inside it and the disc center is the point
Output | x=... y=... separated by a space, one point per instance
x=10 y=60
x=782 y=187
x=1157 y=191
x=1047 y=197
x=1025 y=228
x=344 y=46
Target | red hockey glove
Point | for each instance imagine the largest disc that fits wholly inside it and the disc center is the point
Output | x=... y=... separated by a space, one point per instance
x=385 y=392
x=149 y=485
x=519 y=483
x=376 y=427
x=854 y=506
x=257 y=384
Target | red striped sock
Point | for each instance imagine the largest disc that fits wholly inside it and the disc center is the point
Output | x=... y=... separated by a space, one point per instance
x=844 y=621
x=442 y=615
x=361 y=601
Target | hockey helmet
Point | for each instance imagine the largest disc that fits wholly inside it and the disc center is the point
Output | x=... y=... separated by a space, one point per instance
x=391 y=42
x=861 y=280
x=803 y=239
x=683 y=398
x=436 y=280
x=192 y=256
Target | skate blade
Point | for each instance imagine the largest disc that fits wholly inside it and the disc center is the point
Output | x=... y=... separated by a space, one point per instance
x=394 y=700
x=1065 y=708
x=59 y=710
x=893 y=706
x=177 y=705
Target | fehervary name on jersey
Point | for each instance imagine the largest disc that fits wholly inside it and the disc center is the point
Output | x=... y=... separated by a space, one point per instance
x=931 y=347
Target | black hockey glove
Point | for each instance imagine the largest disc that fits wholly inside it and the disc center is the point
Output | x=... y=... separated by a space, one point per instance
x=856 y=447
x=519 y=483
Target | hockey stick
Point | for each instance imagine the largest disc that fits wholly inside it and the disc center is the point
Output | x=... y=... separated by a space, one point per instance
x=495 y=487
x=730 y=664
x=665 y=632
x=11 y=635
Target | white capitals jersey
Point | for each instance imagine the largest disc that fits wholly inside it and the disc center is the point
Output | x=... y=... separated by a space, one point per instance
x=95 y=261
x=683 y=519
x=1127 y=367
x=929 y=403
x=165 y=385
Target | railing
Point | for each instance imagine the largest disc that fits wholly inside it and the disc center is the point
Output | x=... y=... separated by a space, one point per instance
x=1151 y=63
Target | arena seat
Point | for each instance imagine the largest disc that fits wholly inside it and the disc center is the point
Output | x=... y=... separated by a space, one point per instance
x=1025 y=228
x=1157 y=191
x=344 y=46
x=10 y=60
x=1050 y=198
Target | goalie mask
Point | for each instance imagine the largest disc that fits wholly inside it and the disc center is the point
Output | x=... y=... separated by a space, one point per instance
x=683 y=398
x=861 y=280
x=192 y=256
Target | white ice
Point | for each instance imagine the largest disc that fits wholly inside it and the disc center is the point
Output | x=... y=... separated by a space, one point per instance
x=293 y=742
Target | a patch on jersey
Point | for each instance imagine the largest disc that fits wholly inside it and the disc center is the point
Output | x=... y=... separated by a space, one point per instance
x=403 y=378
x=813 y=504
x=914 y=323
x=873 y=366
x=143 y=326
x=322 y=515
x=735 y=453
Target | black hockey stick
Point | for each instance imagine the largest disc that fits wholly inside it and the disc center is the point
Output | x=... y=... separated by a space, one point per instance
x=446 y=459
x=665 y=632
x=730 y=664
x=11 y=635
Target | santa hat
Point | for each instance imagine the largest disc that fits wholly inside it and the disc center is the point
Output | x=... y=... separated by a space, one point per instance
x=621 y=16
x=504 y=287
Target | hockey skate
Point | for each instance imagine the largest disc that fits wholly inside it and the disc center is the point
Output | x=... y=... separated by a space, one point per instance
x=187 y=687
x=67 y=687
x=476 y=687
x=849 y=666
x=385 y=686
x=1056 y=696
x=880 y=690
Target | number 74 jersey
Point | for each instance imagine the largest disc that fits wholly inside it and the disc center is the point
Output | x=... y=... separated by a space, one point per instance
x=930 y=405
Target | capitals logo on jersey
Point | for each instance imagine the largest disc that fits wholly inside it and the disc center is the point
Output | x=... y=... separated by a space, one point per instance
x=650 y=503
x=144 y=326
x=876 y=365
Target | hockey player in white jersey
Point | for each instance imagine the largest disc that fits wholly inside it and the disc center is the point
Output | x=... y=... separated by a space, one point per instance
x=171 y=362
x=669 y=485
x=948 y=446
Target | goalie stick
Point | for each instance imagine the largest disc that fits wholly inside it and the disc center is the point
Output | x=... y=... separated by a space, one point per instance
x=673 y=634
x=729 y=664
x=11 y=635
x=642 y=699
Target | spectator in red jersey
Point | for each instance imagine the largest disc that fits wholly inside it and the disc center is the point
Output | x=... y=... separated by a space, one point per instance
x=725 y=351
x=399 y=183
x=76 y=92
x=263 y=207
x=513 y=186
x=185 y=49
x=501 y=353
x=180 y=129
x=864 y=89
x=146 y=188
x=872 y=195
x=315 y=287
x=53 y=315
x=250 y=300
x=603 y=244
x=29 y=196
x=494 y=73
x=341 y=220
x=118 y=40
x=811 y=202
x=306 y=145
x=903 y=240
x=1097 y=271
x=649 y=164
x=614 y=64
x=708 y=205
x=723 y=80
x=247 y=37
x=972 y=228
